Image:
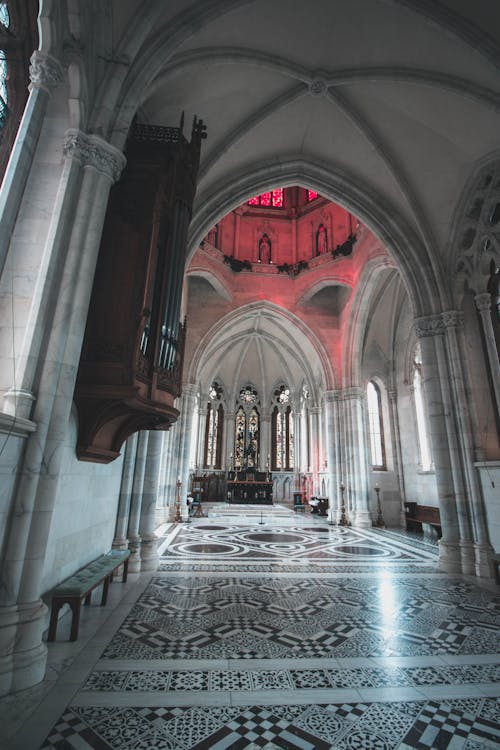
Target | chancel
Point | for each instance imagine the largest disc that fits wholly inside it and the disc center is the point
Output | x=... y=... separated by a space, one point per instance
x=250 y=255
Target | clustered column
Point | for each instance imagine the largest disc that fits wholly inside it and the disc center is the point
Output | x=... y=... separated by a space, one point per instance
x=464 y=546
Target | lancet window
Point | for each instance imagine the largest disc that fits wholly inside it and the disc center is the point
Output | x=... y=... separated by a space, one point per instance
x=214 y=428
x=282 y=434
x=247 y=430
x=375 y=426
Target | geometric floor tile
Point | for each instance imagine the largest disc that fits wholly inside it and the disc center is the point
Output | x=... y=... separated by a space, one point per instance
x=424 y=725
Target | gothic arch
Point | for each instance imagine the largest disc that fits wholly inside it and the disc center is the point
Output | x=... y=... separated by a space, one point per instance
x=418 y=267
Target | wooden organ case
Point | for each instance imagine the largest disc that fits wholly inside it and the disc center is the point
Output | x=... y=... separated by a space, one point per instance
x=131 y=361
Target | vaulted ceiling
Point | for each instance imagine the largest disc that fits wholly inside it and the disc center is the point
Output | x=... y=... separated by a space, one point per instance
x=401 y=98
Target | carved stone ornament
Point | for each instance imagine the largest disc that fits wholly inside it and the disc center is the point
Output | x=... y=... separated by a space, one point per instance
x=318 y=87
x=90 y=150
x=45 y=71
x=483 y=301
x=478 y=233
x=436 y=325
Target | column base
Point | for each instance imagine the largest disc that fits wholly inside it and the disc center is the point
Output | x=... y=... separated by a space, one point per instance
x=449 y=557
x=120 y=543
x=134 y=561
x=362 y=519
x=18 y=403
x=23 y=654
x=149 y=554
x=482 y=558
x=467 y=558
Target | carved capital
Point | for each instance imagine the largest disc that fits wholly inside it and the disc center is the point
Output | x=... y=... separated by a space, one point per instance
x=45 y=71
x=330 y=396
x=483 y=301
x=348 y=394
x=436 y=325
x=431 y=325
x=92 y=151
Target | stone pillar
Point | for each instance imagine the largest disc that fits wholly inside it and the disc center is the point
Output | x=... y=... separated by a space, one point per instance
x=477 y=560
x=443 y=436
x=161 y=516
x=188 y=406
x=120 y=541
x=134 y=538
x=398 y=462
x=229 y=438
x=22 y=613
x=147 y=523
x=202 y=426
x=265 y=442
x=45 y=74
x=236 y=238
x=483 y=304
x=331 y=454
x=356 y=456
x=314 y=446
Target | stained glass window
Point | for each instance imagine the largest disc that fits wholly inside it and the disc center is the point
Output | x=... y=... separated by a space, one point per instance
x=311 y=195
x=247 y=430
x=375 y=428
x=272 y=199
x=213 y=428
x=4 y=15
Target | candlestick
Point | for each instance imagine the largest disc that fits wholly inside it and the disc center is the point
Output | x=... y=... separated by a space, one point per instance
x=343 y=521
x=178 y=516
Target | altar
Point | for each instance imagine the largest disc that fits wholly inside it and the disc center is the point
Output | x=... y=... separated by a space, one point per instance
x=250 y=489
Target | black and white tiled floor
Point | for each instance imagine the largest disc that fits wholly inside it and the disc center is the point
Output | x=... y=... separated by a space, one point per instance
x=291 y=634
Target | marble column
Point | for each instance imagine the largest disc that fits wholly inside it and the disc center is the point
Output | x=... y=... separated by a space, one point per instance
x=398 y=462
x=331 y=446
x=188 y=405
x=357 y=456
x=483 y=304
x=45 y=74
x=120 y=541
x=314 y=446
x=228 y=439
x=202 y=425
x=430 y=330
x=265 y=444
x=478 y=559
x=134 y=538
x=22 y=613
x=147 y=523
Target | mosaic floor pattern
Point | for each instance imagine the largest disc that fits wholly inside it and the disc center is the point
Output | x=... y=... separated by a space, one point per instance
x=293 y=634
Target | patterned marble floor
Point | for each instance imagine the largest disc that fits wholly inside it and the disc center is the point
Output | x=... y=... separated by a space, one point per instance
x=289 y=634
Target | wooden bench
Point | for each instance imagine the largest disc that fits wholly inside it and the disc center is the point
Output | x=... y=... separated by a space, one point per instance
x=417 y=514
x=80 y=586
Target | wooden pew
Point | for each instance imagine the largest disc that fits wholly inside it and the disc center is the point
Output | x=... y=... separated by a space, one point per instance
x=416 y=515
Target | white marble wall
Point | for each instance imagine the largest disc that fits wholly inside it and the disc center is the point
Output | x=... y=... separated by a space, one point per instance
x=489 y=476
x=84 y=515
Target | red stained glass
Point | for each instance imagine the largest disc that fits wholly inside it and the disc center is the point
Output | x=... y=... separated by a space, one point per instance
x=278 y=198
x=273 y=198
x=311 y=195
